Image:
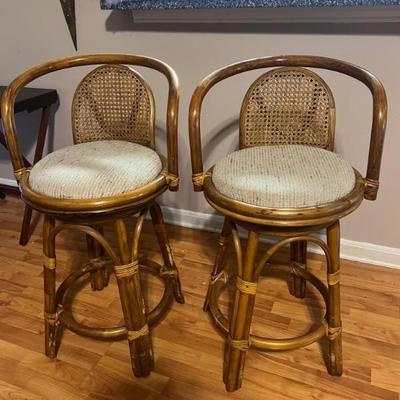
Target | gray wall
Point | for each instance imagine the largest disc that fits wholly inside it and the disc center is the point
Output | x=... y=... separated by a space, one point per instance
x=34 y=31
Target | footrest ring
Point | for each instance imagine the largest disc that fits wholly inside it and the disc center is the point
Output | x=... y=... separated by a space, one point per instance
x=67 y=319
x=260 y=343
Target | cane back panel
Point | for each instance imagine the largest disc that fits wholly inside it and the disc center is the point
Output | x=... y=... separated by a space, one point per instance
x=288 y=106
x=113 y=102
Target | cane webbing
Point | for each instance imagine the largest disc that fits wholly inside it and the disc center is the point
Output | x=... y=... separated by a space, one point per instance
x=113 y=102
x=287 y=106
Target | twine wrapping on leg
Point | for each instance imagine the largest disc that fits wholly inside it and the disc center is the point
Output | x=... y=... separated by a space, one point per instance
x=334 y=278
x=169 y=272
x=246 y=286
x=123 y=271
x=216 y=278
x=239 y=344
x=294 y=266
x=333 y=333
x=143 y=331
x=52 y=318
x=49 y=262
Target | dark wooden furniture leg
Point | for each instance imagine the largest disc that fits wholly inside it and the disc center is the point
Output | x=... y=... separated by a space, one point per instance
x=26 y=222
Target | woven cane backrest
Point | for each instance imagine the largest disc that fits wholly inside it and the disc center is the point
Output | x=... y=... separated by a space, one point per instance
x=288 y=106
x=113 y=102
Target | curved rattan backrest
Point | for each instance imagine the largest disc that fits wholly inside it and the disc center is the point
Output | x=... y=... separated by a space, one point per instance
x=113 y=102
x=379 y=108
x=288 y=105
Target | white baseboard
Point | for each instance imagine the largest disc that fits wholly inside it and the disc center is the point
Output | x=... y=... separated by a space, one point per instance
x=350 y=250
x=8 y=182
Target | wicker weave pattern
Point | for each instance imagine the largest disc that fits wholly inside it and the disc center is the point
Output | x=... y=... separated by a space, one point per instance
x=113 y=103
x=288 y=106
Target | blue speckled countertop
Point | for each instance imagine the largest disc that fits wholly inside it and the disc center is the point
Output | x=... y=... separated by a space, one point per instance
x=204 y=4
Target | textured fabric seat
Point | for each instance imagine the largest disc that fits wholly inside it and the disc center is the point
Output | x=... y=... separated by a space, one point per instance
x=95 y=169
x=284 y=176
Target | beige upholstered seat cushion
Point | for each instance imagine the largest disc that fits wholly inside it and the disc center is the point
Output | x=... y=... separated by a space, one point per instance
x=95 y=169
x=284 y=176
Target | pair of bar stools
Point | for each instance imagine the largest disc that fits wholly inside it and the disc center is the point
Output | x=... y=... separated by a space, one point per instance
x=285 y=182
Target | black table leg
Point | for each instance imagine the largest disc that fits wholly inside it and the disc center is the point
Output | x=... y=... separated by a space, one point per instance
x=26 y=222
x=44 y=123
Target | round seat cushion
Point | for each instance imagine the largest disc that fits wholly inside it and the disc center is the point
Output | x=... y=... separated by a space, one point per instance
x=284 y=176
x=95 y=169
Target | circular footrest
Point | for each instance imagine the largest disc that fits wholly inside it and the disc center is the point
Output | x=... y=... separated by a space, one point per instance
x=260 y=343
x=67 y=319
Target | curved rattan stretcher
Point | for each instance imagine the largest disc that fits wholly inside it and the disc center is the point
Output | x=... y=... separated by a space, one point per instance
x=270 y=116
x=113 y=102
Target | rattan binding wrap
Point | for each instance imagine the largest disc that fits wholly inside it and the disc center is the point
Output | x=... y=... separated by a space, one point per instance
x=288 y=106
x=113 y=102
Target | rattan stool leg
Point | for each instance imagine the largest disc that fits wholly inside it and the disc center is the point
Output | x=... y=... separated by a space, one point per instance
x=298 y=255
x=219 y=258
x=238 y=339
x=49 y=271
x=169 y=263
x=133 y=305
x=99 y=278
x=334 y=318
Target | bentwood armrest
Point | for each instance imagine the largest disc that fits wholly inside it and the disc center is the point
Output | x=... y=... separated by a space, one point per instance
x=374 y=85
x=10 y=95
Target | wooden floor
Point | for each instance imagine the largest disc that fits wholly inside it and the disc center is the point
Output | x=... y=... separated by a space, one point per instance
x=187 y=347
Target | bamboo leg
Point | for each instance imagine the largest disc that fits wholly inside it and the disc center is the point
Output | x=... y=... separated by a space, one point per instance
x=298 y=254
x=133 y=303
x=220 y=257
x=162 y=237
x=99 y=278
x=49 y=271
x=334 y=318
x=238 y=339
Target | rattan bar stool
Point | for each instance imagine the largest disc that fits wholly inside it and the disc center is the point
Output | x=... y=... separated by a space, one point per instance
x=110 y=172
x=284 y=182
